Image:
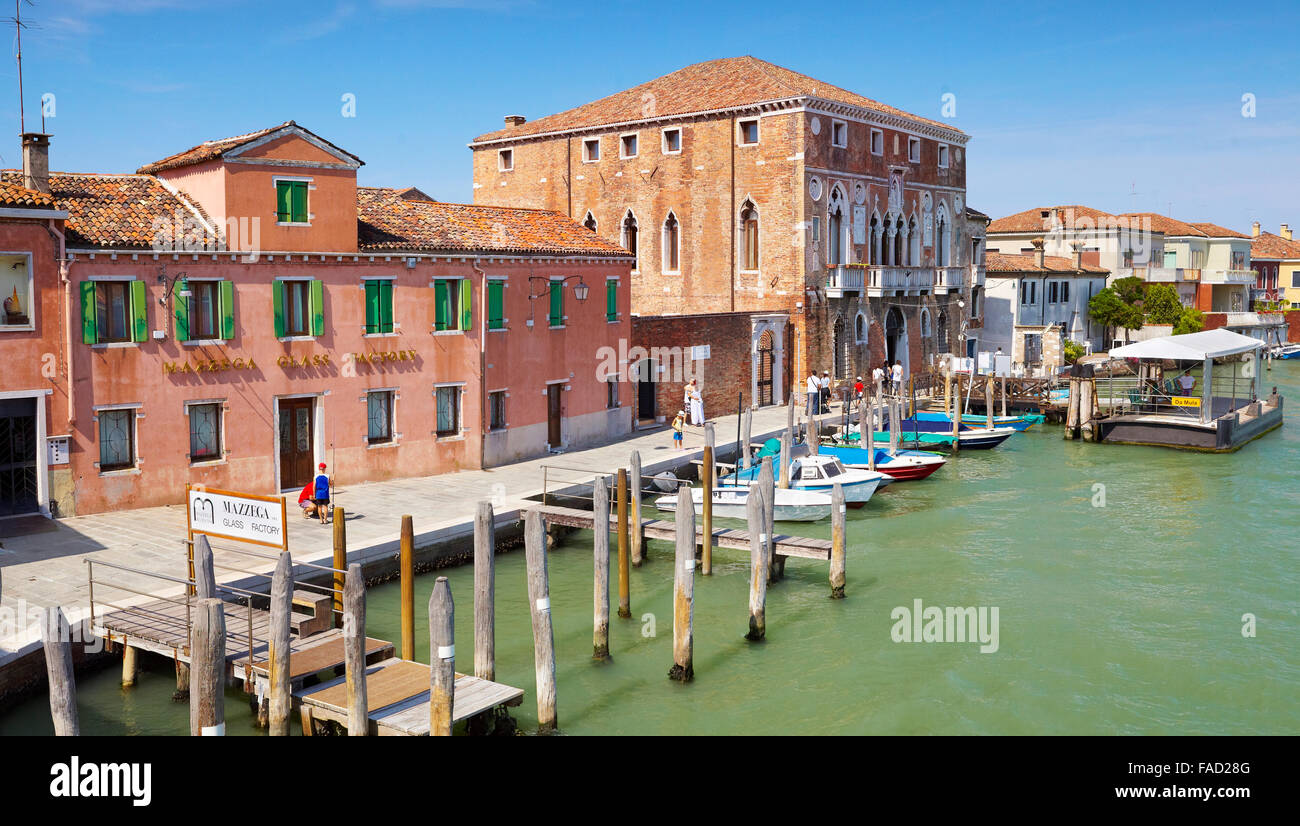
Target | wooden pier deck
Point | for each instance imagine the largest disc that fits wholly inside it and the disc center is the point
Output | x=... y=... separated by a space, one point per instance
x=786 y=545
x=397 y=696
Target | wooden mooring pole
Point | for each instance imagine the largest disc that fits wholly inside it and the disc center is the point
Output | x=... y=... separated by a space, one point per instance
x=600 y=586
x=743 y=459
x=988 y=399
x=539 y=606
x=208 y=670
x=787 y=444
x=624 y=574
x=755 y=513
x=706 y=540
x=406 y=563
x=638 y=529
x=1072 y=411
x=205 y=578
x=442 y=658
x=354 y=649
x=281 y=700
x=767 y=481
x=1003 y=382
x=838 y=518
x=683 y=589
x=56 y=639
x=340 y=562
x=485 y=586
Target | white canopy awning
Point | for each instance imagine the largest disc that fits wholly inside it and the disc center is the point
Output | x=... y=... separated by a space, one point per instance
x=1190 y=347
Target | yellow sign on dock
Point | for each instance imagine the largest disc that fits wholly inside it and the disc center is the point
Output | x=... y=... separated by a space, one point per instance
x=1185 y=401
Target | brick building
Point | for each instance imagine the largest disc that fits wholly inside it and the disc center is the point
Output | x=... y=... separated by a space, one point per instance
x=235 y=314
x=744 y=187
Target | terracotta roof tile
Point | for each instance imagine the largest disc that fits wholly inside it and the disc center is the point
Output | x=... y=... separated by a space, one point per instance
x=714 y=84
x=1216 y=231
x=1274 y=247
x=211 y=150
x=113 y=211
x=1039 y=219
x=387 y=219
x=16 y=196
x=995 y=262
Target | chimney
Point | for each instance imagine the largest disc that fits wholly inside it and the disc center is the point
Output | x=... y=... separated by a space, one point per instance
x=1286 y=232
x=1254 y=230
x=1078 y=256
x=515 y=120
x=1038 y=252
x=36 y=161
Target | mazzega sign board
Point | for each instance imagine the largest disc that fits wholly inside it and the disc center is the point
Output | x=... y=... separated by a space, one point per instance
x=244 y=516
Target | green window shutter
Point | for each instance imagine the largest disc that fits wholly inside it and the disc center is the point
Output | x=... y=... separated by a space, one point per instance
x=557 y=303
x=277 y=307
x=139 y=307
x=317 y=307
x=496 y=305
x=386 y=306
x=372 y=307
x=182 y=313
x=88 y=333
x=466 y=304
x=283 y=200
x=611 y=301
x=227 y=310
x=440 y=305
x=299 y=190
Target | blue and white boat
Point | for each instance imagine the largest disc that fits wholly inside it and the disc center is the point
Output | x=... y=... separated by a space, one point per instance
x=903 y=466
x=1019 y=423
x=1285 y=351
x=820 y=473
x=790 y=505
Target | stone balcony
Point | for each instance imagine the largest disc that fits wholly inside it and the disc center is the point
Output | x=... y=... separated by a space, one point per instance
x=844 y=280
x=1166 y=275
x=883 y=281
x=949 y=279
x=1228 y=276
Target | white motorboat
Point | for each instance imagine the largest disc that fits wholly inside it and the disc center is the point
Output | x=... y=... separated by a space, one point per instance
x=792 y=504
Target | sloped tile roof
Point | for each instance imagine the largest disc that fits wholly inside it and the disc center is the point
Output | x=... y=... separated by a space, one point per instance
x=386 y=220
x=714 y=84
x=1216 y=231
x=1167 y=225
x=1274 y=247
x=114 y=211
x=211 y=150
x=1034 y=220
x=16 y=196
x=995 y=262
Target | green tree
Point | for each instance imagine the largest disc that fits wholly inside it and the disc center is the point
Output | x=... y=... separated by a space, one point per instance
x=1161 y=304
x=1191 y=320
x=1073 y=351
x=1131 y=290
x=1109 y=309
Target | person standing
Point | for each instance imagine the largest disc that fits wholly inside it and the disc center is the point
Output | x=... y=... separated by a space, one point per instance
x=678 y=423
x=878 y=379
x=322 y=494
x=824 y=393
x=858 y=388
x=898 y=378
x=697 y=405
x=814 y=391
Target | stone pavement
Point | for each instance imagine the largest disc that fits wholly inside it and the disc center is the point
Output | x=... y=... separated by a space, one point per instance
x=49 y=567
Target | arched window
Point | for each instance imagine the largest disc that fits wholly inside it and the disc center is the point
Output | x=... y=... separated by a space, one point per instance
x=873 y=240
x=672 y=244
x=913 y=243
x=835 y=228
x=590 y=221
x=898 y=242
x=860 y=329
x=941 y=333
x=629 y=235
x=925 y=323
x=941 y=238
x=749 y=236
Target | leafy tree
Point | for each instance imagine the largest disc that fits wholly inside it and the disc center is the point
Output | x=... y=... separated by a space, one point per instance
x=1131 y=290
x=1073 y=351
x=1162 y=305
x=1109 y=309
x=1190 y=320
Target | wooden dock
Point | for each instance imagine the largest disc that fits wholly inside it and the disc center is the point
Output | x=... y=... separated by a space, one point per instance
x=786 y=545
x=397 y=695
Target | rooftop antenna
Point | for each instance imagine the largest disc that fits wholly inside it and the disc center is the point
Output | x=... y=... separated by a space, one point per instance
x=19 y=25
x=1132 y=196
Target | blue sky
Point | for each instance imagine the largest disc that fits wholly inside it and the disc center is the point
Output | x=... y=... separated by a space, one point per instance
x=1117 y=106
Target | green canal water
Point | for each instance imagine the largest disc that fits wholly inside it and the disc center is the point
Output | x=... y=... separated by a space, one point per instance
x=1120 y=619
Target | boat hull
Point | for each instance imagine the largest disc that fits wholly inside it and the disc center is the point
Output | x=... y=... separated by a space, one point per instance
x=733 y=503
x=906 y=466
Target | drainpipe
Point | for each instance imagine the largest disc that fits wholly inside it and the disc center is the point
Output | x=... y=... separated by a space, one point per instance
x=64 y=266
x=482 y=361
x=734 y=239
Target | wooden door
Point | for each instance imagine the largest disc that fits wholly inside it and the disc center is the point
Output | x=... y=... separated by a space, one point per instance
x=554 y=414
x=18 y=457
x=645 y=390
x=297 y=417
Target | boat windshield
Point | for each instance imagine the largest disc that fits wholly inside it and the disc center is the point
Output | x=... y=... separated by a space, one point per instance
x=833 y=468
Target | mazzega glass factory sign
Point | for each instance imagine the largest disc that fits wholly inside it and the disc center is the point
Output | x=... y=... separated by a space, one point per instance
x=245 y=516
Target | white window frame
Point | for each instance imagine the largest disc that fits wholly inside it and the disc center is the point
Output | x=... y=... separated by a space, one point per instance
x=224 y=405
x=586 y=146
x=911 y=144
x=311 y=187
x=943 y=155
x=393 y=436
x=501 y=160
x=275 y=285
x=740 y=131
x=622 y=144
x=135 y=437
x=840 y=125
x=31 y=301
x=663 y=140
x=460 y=411
x=877 y=133
x=108 y=345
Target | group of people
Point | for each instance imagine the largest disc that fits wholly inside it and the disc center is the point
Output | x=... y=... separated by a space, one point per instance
x=691 y=401
x=884 y=376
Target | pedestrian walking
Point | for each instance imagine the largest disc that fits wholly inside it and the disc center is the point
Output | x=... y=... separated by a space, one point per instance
x=824 y=392
x=678 y=423
x=898 y=378
x=321 y=498
x=814 y=391
x=696 y=405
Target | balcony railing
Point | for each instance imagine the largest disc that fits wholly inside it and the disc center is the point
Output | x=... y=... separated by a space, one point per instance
x=840 y=280
x=1166 y=274
x=949 y=278
x=883 y=280
x=1229 y=276
x=977 y=275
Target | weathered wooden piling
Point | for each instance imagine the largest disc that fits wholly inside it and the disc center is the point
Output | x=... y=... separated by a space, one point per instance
x=706 y=476
x=683 y=589
x=1087 y=410
x=1072 y=411
x=787 y=442
x=988 y=398
x=1003 y=382
x=340 y=563
x=743 y=460
x=814 y=435
x=789 y=413
x=281 y=699
x=442 y=658
x=867 y=431
x=56 y=639
x=406 y=564
x=539 y=605
x=956 y=418
x=208 y=670
x=129 y=665
x=205 y=578
x=354 y=649
x=755 y=513
x=624 y=573
x=895 y=427
x=600 y=588
x=838 y=518
x=638 y=529
x=767 y=481
x=485 y=586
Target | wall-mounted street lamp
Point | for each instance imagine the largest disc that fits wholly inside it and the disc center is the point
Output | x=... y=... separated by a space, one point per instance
x=580 y=290
x=170 y=284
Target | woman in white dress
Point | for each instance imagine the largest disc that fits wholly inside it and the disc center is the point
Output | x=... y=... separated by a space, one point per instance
x=697 y=405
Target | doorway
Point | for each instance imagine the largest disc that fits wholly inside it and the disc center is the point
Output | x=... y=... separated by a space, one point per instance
x=645 y=390
x=554 y=415
x=297 y=432
x=766 y=364
x=18 y=471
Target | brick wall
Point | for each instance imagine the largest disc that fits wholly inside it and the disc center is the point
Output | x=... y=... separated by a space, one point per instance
x=1293 y=326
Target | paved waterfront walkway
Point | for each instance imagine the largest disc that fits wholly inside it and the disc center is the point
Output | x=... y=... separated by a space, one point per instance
x=48 y=568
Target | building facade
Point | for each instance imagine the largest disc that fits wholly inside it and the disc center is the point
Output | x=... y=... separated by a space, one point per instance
x=743 y=187
x=240 y=312
x=1275 y=258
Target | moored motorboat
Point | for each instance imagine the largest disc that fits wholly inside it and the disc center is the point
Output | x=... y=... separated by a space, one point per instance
x=790 y=505
x=1018 y=423
x=815 y=472
x=903 y=466
x=1285 y=351
x=940 y=433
